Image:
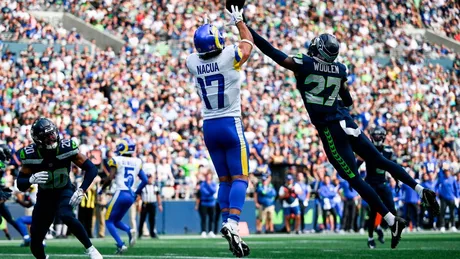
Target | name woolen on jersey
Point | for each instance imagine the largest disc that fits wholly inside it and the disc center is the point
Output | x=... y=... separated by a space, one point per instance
x=327 y=68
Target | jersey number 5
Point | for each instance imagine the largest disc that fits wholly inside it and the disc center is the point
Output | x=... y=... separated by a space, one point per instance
x=220 y=91
x=129 y=178
x=312 y=96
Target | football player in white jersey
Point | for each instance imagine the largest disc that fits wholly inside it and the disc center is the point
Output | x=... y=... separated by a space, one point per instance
x=123 y=169
x=218 y=82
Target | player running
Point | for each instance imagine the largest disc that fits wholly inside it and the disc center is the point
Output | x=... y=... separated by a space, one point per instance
x=320 y=80
x=218 y=81
x=123 y=169
x=378 y=180
x=47 y=163
x=5 y=157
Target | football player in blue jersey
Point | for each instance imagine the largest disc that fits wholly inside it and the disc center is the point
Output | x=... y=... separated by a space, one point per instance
x=124 y=168
x=218 y=81
x=320 y=81
x=47 y=163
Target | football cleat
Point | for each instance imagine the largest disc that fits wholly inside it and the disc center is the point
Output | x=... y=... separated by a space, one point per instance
x=121 y=249
x=25 y=243
x=429 y=199
x=132 y=240
x=236 y=244
x=380 y=234
x=93 y=253
x=396 y=231
x=371 y=244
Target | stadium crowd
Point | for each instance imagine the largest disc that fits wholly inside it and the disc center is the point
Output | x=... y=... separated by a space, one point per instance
x=145 y=91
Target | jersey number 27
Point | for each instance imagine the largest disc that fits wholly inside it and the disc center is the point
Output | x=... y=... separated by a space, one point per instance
x=211 y=101
x=323 y=83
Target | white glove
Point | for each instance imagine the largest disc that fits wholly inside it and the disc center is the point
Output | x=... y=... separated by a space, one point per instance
x=77 y=197
x=457 y=202
x=305 y=203
x=39 y=178
x=236 y=15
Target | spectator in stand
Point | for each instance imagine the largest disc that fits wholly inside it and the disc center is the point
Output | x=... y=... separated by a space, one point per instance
x=289 y=194
x=411 y=205
x=304 y=198
x=206 y=204
x=264 y=198
x=327 y=192
x=350 y=199
x=448 y=193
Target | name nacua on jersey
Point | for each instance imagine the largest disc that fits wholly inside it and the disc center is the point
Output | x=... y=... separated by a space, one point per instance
x=218 y=82
x=207 y=68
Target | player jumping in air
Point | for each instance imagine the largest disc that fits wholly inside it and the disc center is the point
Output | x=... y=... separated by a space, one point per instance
x=218 y=81
x=320 y=80
x=47 y=163
x=123 y=169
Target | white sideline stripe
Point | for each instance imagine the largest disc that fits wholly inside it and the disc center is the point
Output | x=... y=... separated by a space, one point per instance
x=125 y=256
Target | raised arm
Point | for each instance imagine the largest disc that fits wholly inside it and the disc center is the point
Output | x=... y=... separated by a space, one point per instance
x=277 y=55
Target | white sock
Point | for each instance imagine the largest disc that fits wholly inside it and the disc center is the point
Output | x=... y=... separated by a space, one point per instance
x=419 y=190
x=233 y=222
x=90 y=248
x=58 y=229
x=370 y=239
x=64 y=230
x=390 y=219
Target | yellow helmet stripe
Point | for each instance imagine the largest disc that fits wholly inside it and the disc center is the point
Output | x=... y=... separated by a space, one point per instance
x=215 y=32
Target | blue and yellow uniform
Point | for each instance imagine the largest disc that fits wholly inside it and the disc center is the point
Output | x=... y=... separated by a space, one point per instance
x=125 y=169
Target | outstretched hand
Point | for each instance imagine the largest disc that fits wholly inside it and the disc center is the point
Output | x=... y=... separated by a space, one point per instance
x=236 y=15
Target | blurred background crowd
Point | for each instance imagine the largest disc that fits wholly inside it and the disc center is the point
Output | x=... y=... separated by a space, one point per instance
x=145 y=91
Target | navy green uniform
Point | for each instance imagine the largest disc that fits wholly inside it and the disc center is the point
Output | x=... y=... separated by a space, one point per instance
x=376 y=178
x=320 y=84
x=54 y=196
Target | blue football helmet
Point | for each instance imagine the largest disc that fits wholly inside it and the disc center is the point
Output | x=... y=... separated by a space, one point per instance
x=325 y=46
x=208 y=39
x=126 y=147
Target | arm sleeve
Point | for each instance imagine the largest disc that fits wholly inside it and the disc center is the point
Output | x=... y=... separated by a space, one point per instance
x=143 y=183
x=275 y=54
x=23 y=182
x=346 y=97
x=90 y=173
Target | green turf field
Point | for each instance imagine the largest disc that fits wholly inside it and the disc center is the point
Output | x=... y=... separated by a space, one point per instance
x=417 y=245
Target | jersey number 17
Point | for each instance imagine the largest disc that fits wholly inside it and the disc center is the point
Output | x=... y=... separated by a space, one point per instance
x=211 y=101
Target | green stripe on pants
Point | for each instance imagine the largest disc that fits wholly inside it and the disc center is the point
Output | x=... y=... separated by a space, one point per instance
x=336 y=155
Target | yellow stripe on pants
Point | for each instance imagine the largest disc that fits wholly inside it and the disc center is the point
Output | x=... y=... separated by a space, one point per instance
x=112 y=202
